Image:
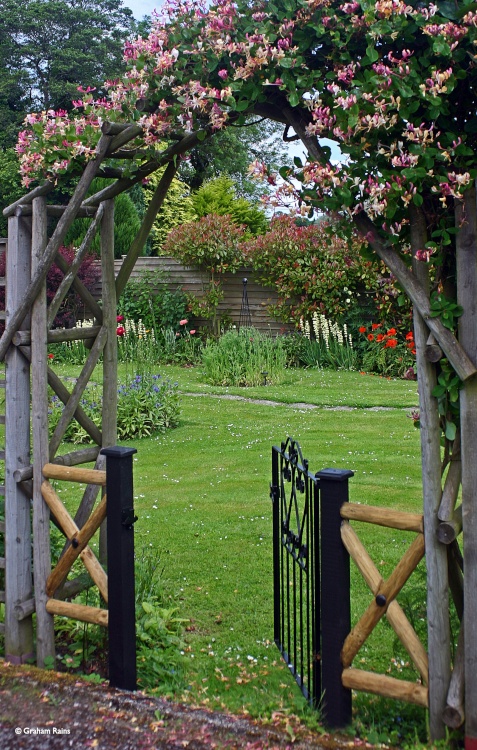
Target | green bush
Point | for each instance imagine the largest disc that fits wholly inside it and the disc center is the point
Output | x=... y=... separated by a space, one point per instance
x=147 y=404
x=148 y=299
x=244 y=358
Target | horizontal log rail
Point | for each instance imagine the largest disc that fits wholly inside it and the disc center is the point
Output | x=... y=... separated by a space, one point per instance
x=93 y=615
x=389 y=687
x=393 y=519
x=74 y=474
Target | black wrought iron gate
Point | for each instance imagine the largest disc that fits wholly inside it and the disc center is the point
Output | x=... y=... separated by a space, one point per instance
x=311 y=578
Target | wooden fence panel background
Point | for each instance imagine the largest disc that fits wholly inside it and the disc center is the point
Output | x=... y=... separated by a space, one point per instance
x=193 y=281
x=179 y=277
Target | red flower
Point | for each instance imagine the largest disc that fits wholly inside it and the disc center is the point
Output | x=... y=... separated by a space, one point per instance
x=120 y=331
x=370 y=337
x=119 y=318
x=380 y=337
x=391 y=343
x=50 y=356
x=375 y=325
x=362 y=329
x=410 y=336
x=391 y=332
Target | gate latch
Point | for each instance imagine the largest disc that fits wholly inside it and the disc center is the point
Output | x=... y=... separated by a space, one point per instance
x=128 y=518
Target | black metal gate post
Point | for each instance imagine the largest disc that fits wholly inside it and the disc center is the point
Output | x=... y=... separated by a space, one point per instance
x=335 y=597
x=121 y=597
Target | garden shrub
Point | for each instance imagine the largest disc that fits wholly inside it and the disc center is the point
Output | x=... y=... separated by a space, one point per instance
x=218 y=197
x=72 y=308
x=147 y=404
x=213 y=245
x=148 y=298
x=313 y=269
x=244 y=358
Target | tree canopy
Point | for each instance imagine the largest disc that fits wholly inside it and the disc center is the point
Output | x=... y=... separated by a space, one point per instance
x=48 y=47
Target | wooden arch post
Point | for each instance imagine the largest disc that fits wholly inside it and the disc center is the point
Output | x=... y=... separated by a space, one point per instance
x=23 y=345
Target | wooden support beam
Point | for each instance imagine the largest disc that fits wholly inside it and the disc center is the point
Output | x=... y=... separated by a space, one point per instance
x=64 y=395
x=18 y=574
x=114 y=128
x=89 y=495
x=58 y=335
x=466 y=265
x=448 y=531
x=73 y=474
x=438 y=623
x=456 y=578
x=378 y=607
x=81 y=612
x=393 y=519
x=450 y=491
x=110 y=354
x=395 y=615
x=77 y=392
x=80 y=289
x=70 y=274
x=75 y=586
x=389 y=687
x=25 y=609
x=87 y=212
x=45 y=636
x=433 y=351
x=43 y=189
x=454 y=714
x=139 y=241
x=84 y=456
x=169 y=155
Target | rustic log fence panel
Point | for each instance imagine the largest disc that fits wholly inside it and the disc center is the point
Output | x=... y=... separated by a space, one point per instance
x=313 y=543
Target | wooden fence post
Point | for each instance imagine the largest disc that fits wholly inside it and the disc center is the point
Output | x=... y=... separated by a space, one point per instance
x=18 y=578
x=45 y=635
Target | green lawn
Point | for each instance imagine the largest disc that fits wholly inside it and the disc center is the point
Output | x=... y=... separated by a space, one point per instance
x=202 y=497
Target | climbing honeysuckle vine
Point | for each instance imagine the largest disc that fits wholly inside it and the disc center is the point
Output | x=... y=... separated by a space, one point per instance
x=391 y=83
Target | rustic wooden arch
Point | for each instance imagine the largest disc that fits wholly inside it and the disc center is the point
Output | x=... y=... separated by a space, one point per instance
x=30 y=254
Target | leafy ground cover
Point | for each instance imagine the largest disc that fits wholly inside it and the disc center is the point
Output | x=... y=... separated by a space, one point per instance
x=201 y=494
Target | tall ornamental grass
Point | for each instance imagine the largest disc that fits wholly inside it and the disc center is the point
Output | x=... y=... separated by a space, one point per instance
x=244 y=358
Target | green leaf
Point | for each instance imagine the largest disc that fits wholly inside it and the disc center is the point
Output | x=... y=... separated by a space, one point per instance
x=451 y=430
x=242 y=105
x=372 y=54
x=294 y=99
x=417 y=199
